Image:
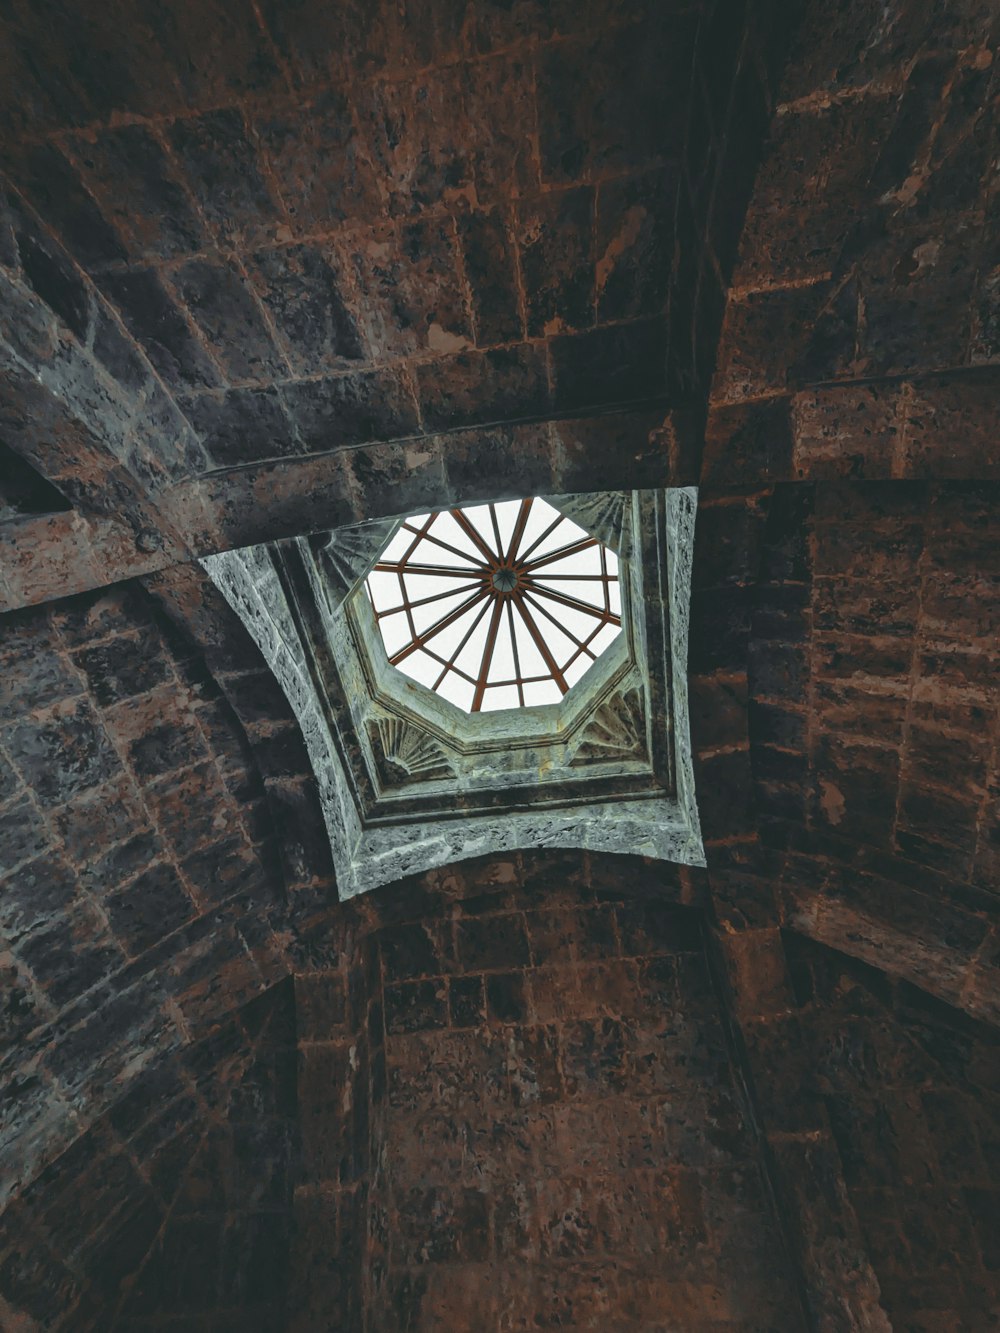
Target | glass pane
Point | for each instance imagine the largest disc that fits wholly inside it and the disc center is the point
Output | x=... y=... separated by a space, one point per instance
x=530 y=660
x=421 y=667
x=578 y=668
x=399 y=545
x=419 y=585
x=434 y=554
x=590 y=592
x=395 y=631
x=587 y=561
x=579 y=624
x=538 y=692
x=445 y=641
x=502 y=661
x=603 y=639
x=470 y=659
x=431 y=612
x=501 y=696
x=506 y=515
x=540 y=517
x=446 y=529
x=385 y=590
x=458 y=691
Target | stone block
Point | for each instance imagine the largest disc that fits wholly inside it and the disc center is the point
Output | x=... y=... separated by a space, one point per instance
x=127 y=170
x=479 y=388
x=350 y=409
x=242 y=425
x=555 y=242
x=225 y=309
x=302 y=288
x=634 y=244
x=466 y=1001
x=123 y=667
x=623 y=363
x=492 y=943
x=488 y=261
x=54 y=188
x=416 y=1006
x=506 y=997
x=224 y=172
x=155 y=321
x=151 y=907
x=63 y=751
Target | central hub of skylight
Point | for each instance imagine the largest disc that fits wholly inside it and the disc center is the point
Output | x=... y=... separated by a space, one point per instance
x=496 y=606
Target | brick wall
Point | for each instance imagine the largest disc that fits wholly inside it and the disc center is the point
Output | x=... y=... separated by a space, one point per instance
x=556 y=1139
x=912 y=1089
x=873 y=722
x=172 y=1210
x=341 y=1086
x=137 y=868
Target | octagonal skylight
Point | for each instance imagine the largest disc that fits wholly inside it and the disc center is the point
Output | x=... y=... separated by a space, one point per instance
x=496 y=606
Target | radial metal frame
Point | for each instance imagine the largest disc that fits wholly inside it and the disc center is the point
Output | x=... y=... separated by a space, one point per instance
x=504 y=583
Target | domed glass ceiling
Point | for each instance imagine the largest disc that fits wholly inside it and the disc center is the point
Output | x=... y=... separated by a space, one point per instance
x=496 y=606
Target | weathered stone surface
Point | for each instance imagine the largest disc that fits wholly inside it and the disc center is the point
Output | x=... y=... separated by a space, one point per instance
x=324 y=206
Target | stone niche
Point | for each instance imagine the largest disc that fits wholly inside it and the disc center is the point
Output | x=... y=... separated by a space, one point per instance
x=409 y=782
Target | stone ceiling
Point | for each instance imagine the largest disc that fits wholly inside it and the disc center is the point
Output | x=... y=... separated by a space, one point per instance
x=266 y=270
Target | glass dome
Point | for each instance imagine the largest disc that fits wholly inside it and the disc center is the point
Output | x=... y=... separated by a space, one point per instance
x=496 y=606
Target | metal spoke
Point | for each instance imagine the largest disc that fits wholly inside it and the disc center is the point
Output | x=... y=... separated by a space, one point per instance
x=445 y=571
x=564 y=599
x=472 y=534
x=487 y=662
x=426 y=601
x=573 y=549
x=518 y=533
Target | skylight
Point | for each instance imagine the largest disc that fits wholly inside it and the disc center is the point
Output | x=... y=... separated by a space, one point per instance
x=496 y=606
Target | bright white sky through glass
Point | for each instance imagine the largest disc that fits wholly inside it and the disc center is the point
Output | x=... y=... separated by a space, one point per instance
x=496 y=606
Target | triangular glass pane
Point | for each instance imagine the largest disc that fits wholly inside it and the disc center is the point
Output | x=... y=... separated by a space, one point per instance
x=502 y=661
x=479 y=517
x=398 y=547
x=428 y=553
x=424 y=617
x=565 y=533
x=446 y=529
x=603 y=639
x=506 y=515
x=470 y=658
x=578 y=624
x=529 y=659
x=559 y=644
x=445 y=641
x=590 y=591
x=419 y=586
x=578 y=668
x=421 y=667
x=540 y=517
x=587 y=561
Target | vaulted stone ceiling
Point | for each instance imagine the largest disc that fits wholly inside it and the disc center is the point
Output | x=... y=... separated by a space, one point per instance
x=267 y=269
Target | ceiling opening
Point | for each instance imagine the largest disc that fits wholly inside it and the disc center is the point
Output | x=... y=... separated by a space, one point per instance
x=496 y=606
